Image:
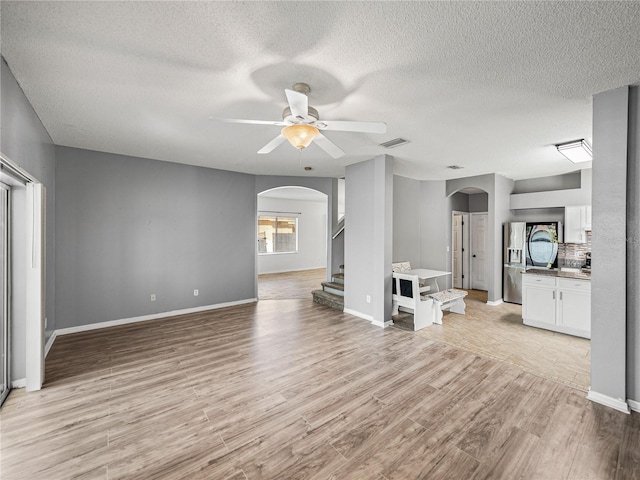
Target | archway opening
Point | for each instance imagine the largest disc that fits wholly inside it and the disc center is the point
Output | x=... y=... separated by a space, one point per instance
x=292 y=232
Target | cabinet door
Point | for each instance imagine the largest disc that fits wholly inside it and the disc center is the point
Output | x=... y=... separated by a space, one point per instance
x=539 y=304
x=574 y=310
x=574 y=219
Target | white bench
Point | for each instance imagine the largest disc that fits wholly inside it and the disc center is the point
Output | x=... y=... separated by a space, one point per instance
x=408 y=297
x=452 y=300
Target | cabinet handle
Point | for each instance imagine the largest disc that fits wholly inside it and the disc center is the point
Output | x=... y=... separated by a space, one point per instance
x=560 y=295
x=554 y=294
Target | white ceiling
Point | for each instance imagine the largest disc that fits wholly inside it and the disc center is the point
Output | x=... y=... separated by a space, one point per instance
x=490 y=86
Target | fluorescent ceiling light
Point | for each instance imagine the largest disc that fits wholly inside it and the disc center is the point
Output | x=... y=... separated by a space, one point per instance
x=576 y=151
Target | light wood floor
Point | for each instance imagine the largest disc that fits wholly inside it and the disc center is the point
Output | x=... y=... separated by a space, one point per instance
x=290 y=389
x=498 y=332
x=287 y=285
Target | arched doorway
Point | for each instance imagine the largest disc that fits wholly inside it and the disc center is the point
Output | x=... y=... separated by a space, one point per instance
x=292 y=226
x=469 y=241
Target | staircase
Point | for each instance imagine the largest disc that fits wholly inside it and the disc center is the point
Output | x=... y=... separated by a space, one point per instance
x=332 y=293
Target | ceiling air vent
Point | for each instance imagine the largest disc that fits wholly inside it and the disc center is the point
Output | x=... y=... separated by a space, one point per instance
x=396 y=142
x=454 y=167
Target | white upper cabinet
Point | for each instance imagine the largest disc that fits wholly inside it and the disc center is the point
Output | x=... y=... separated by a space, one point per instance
x=577 y=220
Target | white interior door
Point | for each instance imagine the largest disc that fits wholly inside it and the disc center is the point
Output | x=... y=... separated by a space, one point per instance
x=457 y=249
x=479 y=251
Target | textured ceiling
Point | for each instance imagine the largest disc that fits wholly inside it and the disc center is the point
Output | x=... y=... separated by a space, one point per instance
x=488 y=86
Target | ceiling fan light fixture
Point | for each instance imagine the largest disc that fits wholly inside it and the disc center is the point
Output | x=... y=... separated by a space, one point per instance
x=301 y=135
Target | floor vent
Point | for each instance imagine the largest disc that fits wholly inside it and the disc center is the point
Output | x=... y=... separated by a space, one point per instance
x=396 y=142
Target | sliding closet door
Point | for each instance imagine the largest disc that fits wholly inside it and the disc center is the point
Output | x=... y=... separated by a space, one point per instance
x=5 y=381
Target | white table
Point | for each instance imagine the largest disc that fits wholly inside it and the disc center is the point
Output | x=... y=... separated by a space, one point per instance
x=426 y=274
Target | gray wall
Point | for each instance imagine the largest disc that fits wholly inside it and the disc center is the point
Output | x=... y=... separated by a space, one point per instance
x=500 y=208
x=24 y=140
x=609 y=245
x=547 y=184
x=369 y=237
x=129 y=227
x=407 y=208
x=460 y=202
x=539 y=215
x=633 y=248
x=435 y=226
x=478 y=203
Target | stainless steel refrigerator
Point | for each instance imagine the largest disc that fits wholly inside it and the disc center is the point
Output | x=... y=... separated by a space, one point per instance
x=514 y=244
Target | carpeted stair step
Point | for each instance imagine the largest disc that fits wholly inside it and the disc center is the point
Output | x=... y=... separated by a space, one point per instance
x=328 y=299
x=338 y=278
x=333 y=287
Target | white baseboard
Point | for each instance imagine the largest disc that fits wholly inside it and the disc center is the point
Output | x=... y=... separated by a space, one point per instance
x=386 y=324
x=635 y=406
x=144 y=318
x=608 y=401
x=359 y=314
x=19 y=383
x=495 y=303
x=49 y=343
x=290 y=270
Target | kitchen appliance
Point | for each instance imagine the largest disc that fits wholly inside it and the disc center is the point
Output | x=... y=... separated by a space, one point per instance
x=542 y=244
x=587 y=263
x=514 y=245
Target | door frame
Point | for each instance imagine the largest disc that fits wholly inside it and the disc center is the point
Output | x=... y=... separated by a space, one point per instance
x=5 y=301
x=466 y=248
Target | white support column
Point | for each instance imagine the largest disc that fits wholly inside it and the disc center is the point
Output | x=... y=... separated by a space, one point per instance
x=35 y=287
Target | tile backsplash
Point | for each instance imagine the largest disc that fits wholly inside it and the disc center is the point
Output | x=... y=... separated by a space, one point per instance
x=574 y=254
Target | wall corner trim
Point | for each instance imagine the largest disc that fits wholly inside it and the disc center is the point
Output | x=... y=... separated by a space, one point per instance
x=155 y=316
x=495 y=303
x=634 y=405
x=364 y=316
x=608 y=401
x=49 y=343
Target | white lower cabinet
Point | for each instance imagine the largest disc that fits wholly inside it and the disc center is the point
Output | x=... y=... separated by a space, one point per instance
x=558 y=304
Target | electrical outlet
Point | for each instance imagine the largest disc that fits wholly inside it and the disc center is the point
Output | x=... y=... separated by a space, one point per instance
x=153 y=297
x=368 y=298
x=196 y=293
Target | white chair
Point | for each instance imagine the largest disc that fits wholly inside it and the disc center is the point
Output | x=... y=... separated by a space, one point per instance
x=407 y=296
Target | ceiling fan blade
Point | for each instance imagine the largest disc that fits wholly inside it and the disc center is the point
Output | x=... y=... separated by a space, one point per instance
x=253 y=122
x=343 y=126
x=299 y=104
x=269 y=147
x=328 y=146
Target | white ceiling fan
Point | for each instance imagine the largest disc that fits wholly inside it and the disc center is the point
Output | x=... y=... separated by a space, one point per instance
x=302 y=125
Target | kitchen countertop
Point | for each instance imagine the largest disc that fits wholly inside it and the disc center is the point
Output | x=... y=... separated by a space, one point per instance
x=582 y=275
